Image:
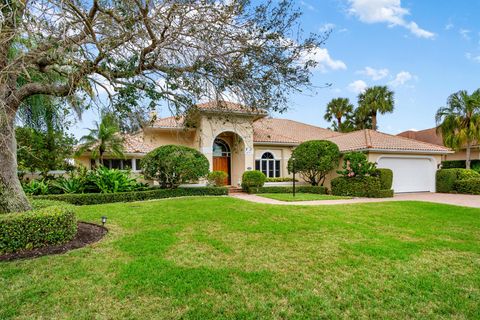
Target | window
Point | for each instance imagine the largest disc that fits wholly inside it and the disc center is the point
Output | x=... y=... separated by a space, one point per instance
x=122 y=164
x=220 y=148
x=268 y=165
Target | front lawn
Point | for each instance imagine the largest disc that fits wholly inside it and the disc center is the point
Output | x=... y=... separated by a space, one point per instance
x=210 y=258
x=300 y=196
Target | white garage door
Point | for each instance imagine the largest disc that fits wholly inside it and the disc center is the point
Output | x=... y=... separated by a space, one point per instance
x=410 y=174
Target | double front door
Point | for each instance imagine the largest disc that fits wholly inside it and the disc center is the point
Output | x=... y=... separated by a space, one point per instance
x=222 y=164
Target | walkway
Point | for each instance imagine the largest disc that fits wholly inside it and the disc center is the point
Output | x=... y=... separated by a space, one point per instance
x=453 y=199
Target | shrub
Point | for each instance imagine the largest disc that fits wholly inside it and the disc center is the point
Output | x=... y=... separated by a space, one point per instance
x=36 y=187
x=173 y=165
x=314 y=160
x=385 y=176
x=284 y=179
x=356 y=164
x=288 y=189
x=71 y=185
x=98 y=198
x=217 y=178
x=366 y=186
x=33 y=229
x=112 y=180
x=468 y=186
x=40 y=203
x=453 y=164
x=446 y=178
x=252 y=179
x=384 y=193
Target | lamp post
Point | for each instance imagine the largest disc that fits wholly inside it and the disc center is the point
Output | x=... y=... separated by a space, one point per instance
x=293 y=171
x=104 y=220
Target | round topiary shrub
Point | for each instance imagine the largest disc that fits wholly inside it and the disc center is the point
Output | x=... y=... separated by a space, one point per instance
x=217 y=178
x=173 y=165
x=51 y=225
x=314 y=160
x=253 y=179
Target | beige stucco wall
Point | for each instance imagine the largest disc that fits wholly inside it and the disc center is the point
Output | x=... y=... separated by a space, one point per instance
x=462 y=155
x=161 y=137
x=282 y=153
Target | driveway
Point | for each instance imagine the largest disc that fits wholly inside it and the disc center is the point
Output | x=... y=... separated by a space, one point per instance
x=453 y=199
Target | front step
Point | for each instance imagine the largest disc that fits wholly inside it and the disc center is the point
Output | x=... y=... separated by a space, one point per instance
x=235 y=190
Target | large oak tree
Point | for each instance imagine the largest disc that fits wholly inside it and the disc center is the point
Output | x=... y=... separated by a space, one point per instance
x=178 y=52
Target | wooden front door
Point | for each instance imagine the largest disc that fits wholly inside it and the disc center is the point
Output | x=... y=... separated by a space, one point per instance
x=222 y=164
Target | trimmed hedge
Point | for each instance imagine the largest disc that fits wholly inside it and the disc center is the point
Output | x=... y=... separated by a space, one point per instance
x=459 y=164
x=288 y=189
x=99 y=198
x=366 y=186
x=386 y=178
x=283 y=179
x=446 y=178
x=253 y=179
x=468 y=186
x=37 y=228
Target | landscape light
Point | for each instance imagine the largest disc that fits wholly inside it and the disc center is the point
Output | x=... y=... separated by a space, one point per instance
x=104 y=220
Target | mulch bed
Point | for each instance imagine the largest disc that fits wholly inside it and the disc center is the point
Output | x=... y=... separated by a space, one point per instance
x=87 y=233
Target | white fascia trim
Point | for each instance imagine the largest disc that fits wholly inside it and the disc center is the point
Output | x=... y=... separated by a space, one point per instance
x=403 y=151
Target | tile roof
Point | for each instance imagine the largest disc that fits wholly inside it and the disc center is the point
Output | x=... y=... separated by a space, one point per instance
x=133 y=143
x=223 y=106
x=427 y=135
x=169 y=122
x=288 y=131
x=374 y=140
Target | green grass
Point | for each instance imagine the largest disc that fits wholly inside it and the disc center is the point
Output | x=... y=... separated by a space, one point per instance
x=300 y=196
x=211 y=258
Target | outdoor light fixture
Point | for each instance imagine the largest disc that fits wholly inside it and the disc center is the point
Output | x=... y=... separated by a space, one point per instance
x=293 y=171
x=104 y=220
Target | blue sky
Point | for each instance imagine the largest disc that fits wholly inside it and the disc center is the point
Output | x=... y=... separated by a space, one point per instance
x=424 y=50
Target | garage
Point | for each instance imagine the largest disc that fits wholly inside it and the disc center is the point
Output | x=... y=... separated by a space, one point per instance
x=410 y=174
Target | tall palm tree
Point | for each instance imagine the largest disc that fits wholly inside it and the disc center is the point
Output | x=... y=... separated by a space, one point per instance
x=459 y=121
x=104 y=138
x=374 y=100
x=337 y=109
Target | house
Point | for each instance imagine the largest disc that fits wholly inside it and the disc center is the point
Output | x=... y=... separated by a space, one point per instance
x=235 y=138
x=432 y=136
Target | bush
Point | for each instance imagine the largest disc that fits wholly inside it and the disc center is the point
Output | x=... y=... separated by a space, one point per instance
x=99 y=198
x=217 y=178
x=385 y=176
x=112 y=180
x=288 y=189
x=252 y=179
x=356 y=164
x=468 y=186
x=453 y=164
x=36 y=187
x=314 y=160
x=285 y=179
x=446 y=178
x=367 y=186
x=384 y=193
x=34 y=229
x=40 y=203
x=173 y=165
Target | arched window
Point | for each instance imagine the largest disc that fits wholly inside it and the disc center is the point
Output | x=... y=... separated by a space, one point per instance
x=268 y=165
x=220 y=148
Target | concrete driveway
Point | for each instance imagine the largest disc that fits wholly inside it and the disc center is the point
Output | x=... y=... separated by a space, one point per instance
x=446 y=198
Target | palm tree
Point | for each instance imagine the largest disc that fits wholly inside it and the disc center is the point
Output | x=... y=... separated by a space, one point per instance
x=459 y=121
x=377 y=99
x=337 y=109
x=105 y=138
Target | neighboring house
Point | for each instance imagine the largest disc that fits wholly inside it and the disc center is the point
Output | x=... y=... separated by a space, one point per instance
x=432 y=136
x=235 y=139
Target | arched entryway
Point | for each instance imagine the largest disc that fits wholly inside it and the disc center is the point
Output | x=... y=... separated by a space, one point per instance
x=222 y=158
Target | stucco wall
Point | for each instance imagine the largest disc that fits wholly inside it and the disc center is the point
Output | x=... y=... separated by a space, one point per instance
x=462 y=155
x=282 y=153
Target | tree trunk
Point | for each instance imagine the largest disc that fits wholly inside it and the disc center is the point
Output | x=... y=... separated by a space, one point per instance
x=467 y=160
x=12 y=197
x=374 y=121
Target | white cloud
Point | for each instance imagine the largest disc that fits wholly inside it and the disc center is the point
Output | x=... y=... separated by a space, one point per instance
x=374 y=74
x=386 y=11
x=474 y=58
x=465 y=33
x=357 y=86
x=401 y=78
x=325 y=61
x=449 y=26
x=327 y=27
x=307 y=5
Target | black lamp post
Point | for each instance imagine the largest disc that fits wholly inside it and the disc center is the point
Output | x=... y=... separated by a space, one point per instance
x=293 y=171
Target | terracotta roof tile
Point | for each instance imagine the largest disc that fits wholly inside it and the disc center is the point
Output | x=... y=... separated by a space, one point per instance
x=288 y=131
x=133 y=143
x=370 y=139
x=427 y=135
